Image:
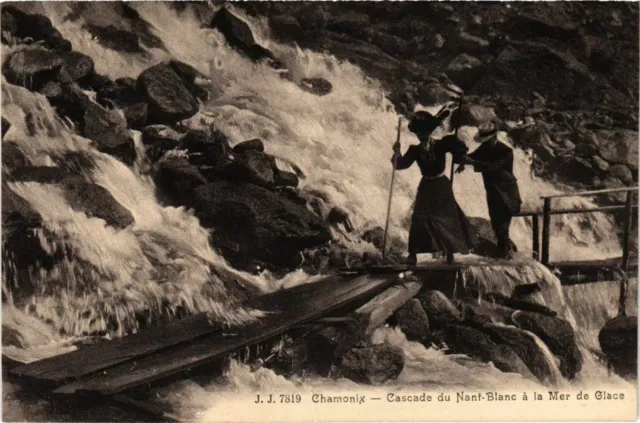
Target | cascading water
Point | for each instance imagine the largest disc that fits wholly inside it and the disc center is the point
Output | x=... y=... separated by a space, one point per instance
x=342 y=142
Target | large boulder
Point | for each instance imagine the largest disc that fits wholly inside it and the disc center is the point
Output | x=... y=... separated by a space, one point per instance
x=191 y=78
x=618 y=146
x=18 y=24
x=441 y=311
x=115 y=39
x=619 y=342
x=328 y=345
x=252 y=222
x=475 y=115
x=136 y=115
x=254 y=144
x=12 y=157
x=413 y=321
x=206 y=148
x=251 y=166
x=239 y=35
x=71 y=102
x=108 y=129
x=481 y=346
x=176 y=179
x=76 y=66
x=96 y=201
x=464 y=70
x=432 y=94
x=373 y=364
x=558 y=334
x=158 y=139
x=120 y=93
x=169 y=100
x=32 y=67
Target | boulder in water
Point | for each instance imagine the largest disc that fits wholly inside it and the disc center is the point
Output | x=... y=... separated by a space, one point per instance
x=97 y=201
x=255 y=144
x=475 y=115
x=251 y=166
x=413 y=321
x=32 y=67
x=169 y=100
x=327 y=346
x=464 y=70
x=481 y=346
x=116 y=39
x=176 y=179
x=432 y=94
x=286 y=179
x=76 y=66
x=136 y=115
x=209 y=149
x=71 y=102
x=439 y=308
x=120 y=93
x=339 y=216
x=190 y=77
x=108 y=128
x=372 y=364
x=22 y=25
x=558 y=334
x=12 y=157
x=159 y=139
x=317 y=86
x=619 y=342
x=252 y=222
x=375 y=236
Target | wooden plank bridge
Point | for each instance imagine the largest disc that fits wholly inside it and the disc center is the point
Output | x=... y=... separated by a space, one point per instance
x=169 y=351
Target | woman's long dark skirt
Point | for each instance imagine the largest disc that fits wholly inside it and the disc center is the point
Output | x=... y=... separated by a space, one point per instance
x=438 y=223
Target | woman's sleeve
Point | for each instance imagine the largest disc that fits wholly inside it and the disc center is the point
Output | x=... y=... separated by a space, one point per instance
x=453 y=145
x=407 y=160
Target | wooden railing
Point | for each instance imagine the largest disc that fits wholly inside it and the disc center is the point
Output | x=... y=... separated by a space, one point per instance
x=547 y=212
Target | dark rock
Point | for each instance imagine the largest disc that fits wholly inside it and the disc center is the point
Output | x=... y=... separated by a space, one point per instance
x=339 y=216
x=328 y=345
x=432 y=94
x=464 y=70
x=285 y=24
x=348 y=22
x=36 y=27
x=32 y=67
x=158 y=139
x=480 y=313
x=439 y=308
x=189 y=76
x=120 y=93
x=388 y=43
x=12 y=157
x=464 y=42
x=373 y=364
x=136 y=115
x=5 y=126
x=291 y=358
x=239 y=35
x=621 y=172
x=108 y=128
x=558 y=335
x=96 y=201
x=71 y=103
x=618 y=147
x=528 y=350
x=481 y=346
x=206 y=149
x=252 y=222
x=317 y=86
x=375 y=236
x=286 y=179
x=255 y=144
x=600 y=164
x=251 y=166
x=169 y=101
x=95 y=82
x=619 y=342
x=76 y=66
x=537 y=22
x=176 y=179
x=413 y=321
x=41 y=174
x=52 y=90
x=475 y=115
x=523 y=291
x=116 y=39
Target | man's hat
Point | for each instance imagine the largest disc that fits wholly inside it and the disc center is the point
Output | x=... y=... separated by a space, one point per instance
x=425 y=123
x=487 y=131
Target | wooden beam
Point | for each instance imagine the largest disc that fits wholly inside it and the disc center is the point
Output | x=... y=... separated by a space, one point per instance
x=535 y=236
x=603 y=209
x=546 y=230
x=594 y=192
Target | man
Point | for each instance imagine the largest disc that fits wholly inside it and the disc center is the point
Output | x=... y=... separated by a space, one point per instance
x=495 y=161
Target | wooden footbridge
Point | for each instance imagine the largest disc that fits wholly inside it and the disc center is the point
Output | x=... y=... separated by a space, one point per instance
x=112 y=370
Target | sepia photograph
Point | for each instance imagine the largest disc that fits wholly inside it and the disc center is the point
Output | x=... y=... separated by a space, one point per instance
x=287 y=211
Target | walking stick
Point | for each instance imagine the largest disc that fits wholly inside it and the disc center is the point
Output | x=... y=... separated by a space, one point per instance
x=457 y=127
x=393 y=174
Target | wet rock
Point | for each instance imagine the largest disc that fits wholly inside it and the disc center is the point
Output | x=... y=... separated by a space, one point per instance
x=190 y=77
x=52 y=90
x=439 y=308
x=339 y=216
x=529 y=352
x=169 y=100
x=120 y=93
x=136 y=115
x=348 y=22
x=12 y=157
x=95 y=82
x=32 y=67
x=621 y=172
x=388 y=43
x=619 y=342
x=475 y=115
x=252 y=222
x=41 y=174
x=618 y=147
x=373 y=365
x=115 y=39
x=96 y=201
x=464 y=42
x=33 y=26
x=251 y=166
x=285 y=24
x=537 y=22
x=255 y=144
x=413 y=321
x=481 y=346
x=239 y=35
x=464 y=70
x=328 y=345
x=152 y=134
x=375 y=236
x=205 y=148
x=76 y=66
x=108 y=129
x=558 y=335
x=5 y=126
x=291 y=358
x=432 y=94
x=71 y=102
x=176 y=179
x=317 y=86
x=600 y=164
x=286 y=179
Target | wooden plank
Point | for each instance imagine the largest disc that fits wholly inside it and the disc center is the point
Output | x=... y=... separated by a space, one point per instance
x=218 y=345
x=603 y=209
x=594 y=192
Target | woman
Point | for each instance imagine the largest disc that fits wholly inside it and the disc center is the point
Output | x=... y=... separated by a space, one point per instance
x=438 y=224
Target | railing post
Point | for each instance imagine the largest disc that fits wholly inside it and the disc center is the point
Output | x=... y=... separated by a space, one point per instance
x=628 y=222
x=546 y=230
x=535 y=229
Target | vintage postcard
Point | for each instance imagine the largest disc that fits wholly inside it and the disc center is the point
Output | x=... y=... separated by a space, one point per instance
x=319 y=211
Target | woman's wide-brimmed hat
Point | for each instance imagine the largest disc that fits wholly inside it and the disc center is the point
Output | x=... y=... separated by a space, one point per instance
x=487 y=131
x=424 y=122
